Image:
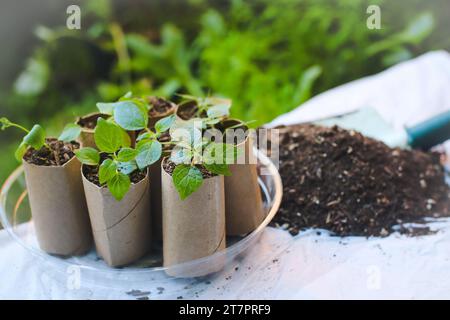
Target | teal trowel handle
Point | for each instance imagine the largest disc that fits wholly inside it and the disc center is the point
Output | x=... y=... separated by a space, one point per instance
x=430 y=132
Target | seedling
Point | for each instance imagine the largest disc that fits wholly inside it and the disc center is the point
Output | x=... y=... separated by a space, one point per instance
x=36 y=137
x=214 y=108
x=120 y=160
x=192 y=153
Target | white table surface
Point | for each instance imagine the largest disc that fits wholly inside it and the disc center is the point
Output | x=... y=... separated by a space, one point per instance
x=308 y=266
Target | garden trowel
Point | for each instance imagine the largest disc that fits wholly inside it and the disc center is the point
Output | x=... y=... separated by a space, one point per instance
x=369 y=122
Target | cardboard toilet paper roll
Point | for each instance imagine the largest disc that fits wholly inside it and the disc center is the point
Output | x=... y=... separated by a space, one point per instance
x=86 y=137
x=243 y=202
x=193 y=228
x=58 y=208
x=122 y=229
x=156 y=200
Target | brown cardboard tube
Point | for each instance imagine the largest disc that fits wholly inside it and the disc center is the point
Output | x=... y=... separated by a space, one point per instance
x=86 y=137
x=122 y=229
x=58 y=207
x=193 y=228
x=243 y=202
x=156 y=200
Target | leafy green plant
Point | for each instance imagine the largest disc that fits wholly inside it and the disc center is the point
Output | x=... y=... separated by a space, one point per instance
x=36 y=136
x=119 y=158
x=192 y=153
x=131 y=114
x=214 y=108
x=111 y=138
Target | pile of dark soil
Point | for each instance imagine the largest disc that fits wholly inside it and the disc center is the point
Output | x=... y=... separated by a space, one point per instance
x=91 y=174
x=57 y=154
x=159 y=106
x=349 y=184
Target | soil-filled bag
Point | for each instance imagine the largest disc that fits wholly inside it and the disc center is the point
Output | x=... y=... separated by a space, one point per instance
x=122 y=229
x=243 y=202
x=193 y=228
x=58 y=207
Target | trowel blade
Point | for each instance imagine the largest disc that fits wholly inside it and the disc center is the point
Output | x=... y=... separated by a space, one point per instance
x=370 y=123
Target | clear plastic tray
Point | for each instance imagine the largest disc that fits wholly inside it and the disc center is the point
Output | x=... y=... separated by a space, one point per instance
x=16 y=219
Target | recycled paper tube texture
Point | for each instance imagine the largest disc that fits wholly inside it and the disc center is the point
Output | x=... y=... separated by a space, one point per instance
x=193 y=228
x=58 y=208
x=156 y=200
x=122 y=229
x=86 y=137
x=243 y=202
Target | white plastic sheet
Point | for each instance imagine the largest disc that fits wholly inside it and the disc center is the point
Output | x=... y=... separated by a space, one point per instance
x=308 y=266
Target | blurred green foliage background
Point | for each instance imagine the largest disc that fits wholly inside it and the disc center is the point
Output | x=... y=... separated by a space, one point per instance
x=268 y=56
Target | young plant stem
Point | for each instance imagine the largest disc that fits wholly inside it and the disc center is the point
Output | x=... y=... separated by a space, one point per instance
x=19 y=126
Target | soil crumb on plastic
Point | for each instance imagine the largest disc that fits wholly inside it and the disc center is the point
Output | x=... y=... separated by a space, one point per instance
x=352 y=185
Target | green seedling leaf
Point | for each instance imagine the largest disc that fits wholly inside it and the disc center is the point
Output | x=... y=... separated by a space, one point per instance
x=36 y=137
x=70 y=133
x=164 y=124
x=219 y=153
x=126 y=139
x=188 y=135
x=126 y=154
x=187 y=180
x=119 y=185
x=145 y=136
x=130 y=116
x=187 y=97
x=5 y=123
x=148 y=153
x=108 y=169
x=108 y=136
x=126 y=96
x=221 y=169
x=214 y=101
x=211 y=121
x=221 y=110
x=21 y=150
x=181 y=155
x=217 y=157
x=106 y=107
x=88 y=156
x=127 y=167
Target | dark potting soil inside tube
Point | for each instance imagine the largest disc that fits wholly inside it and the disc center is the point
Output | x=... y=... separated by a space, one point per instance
x=234 y=125
x=89 y=122
x=159 y=106
x=188 y=110
x=169 y=167
x=342 y=181
x=91 y=174
x=57 y=154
